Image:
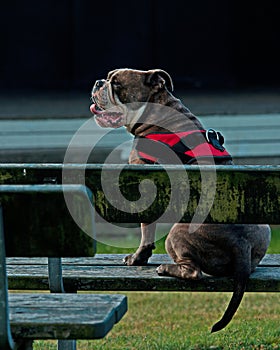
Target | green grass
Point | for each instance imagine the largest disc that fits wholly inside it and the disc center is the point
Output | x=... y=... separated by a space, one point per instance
x=182 y=321
x=177 y=321
x=275 y=241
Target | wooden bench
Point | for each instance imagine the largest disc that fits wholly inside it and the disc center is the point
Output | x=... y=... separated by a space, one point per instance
x=242 y=194
x=35 y=222
x=107 y=272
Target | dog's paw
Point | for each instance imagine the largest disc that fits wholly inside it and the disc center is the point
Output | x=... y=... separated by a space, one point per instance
x=128 y=260
x=161 y=270
x=140 y=257
x=134 y=260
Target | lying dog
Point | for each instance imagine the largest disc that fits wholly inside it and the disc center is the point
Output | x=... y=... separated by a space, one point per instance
x=131 y=98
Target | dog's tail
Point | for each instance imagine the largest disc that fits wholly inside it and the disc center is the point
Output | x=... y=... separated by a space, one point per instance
x=242 y=272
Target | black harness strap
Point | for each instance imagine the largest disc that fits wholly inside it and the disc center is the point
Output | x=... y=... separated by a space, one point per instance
x=184 y=147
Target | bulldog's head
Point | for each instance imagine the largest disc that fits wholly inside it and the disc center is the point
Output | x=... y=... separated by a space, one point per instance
x=121 y=99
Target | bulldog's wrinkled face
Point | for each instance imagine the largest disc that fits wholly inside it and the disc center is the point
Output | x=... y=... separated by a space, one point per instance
x=120 y=99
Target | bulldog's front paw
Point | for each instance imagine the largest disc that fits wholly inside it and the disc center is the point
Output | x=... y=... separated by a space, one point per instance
x=140 y=257
x=134 y=260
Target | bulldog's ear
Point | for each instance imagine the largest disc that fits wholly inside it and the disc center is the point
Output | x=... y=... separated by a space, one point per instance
x=111 y=73
x=159 y=78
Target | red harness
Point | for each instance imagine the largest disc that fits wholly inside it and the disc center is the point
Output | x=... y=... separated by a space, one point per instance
x=188 y=146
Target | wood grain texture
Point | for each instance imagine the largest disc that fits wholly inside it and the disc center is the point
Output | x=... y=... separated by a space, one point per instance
x=117 y=259
x=64 y=316
x=37 y=221
x=242 y=194
x=107 y=272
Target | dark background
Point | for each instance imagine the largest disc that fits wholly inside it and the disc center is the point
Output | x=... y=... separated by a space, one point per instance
x=68 y=44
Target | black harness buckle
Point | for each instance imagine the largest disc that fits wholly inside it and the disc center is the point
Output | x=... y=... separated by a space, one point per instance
x=215 y=138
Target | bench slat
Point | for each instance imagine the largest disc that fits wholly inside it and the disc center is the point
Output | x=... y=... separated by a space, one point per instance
x=239 y=198
x=146 y=279
x=37 y=216
x=117 y=259
x=58 y=316
x=40 y=212
x=237 y=195
x=142 y=278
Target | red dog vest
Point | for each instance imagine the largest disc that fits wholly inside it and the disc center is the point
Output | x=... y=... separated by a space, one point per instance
x=188 y=146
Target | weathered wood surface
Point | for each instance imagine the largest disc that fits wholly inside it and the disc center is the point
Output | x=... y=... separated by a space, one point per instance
x=110 y=274
x=117 y=259
x=223 y=194
x=60 y=316
x=37 y=219
x=38 y=223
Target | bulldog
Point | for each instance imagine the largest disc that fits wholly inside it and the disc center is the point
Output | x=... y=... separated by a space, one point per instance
x=142 y=101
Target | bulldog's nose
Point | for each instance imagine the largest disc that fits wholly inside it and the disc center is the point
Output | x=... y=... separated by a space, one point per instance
x=99 y=83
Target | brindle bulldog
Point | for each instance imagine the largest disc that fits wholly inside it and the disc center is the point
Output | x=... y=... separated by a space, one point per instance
x=133 y=98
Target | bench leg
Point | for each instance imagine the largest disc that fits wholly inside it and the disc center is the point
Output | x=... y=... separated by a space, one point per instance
x=66 y=345
x=61 y=345
x=24 y=345
x=55 y=275
x=56 y=286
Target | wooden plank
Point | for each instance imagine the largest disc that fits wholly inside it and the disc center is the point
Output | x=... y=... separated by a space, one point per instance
x=142 y=278
x=117 y=259
x=155 y=259
x=146 y=279
x=237 y=196
x=64 y=316
x=45 y=227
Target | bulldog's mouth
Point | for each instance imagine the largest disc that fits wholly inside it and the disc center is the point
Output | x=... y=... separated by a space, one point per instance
x=95 y=109
x=107 y=118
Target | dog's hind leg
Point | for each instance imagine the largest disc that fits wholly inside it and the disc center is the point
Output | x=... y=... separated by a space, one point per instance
x=184 y=267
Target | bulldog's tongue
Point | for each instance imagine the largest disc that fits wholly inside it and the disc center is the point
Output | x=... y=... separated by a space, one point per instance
x=94 y=109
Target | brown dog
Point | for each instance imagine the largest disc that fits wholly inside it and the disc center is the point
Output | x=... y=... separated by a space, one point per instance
x=142 y=102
